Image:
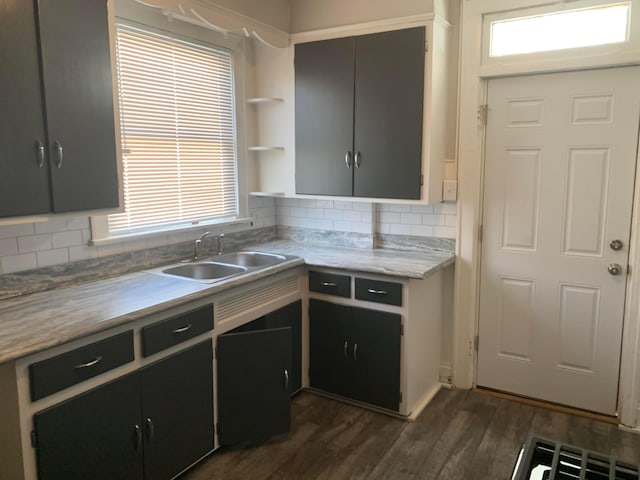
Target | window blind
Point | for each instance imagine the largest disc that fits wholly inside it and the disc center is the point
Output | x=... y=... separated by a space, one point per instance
x=178 y=131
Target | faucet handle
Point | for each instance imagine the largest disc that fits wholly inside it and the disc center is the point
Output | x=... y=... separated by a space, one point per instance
x=220 y=237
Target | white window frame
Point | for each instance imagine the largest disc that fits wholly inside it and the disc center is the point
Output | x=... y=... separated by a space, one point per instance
x=154 y=19
x=622 y=53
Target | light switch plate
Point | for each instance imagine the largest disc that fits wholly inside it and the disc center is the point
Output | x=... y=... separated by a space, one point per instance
x=449 y=191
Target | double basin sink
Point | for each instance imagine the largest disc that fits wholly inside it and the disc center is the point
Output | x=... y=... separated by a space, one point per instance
x=223 y=266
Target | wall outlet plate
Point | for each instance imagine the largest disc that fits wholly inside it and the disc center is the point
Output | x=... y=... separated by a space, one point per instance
x=449 y=191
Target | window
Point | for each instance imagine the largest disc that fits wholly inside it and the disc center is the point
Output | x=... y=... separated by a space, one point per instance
x=587 y=27
x=178 y=132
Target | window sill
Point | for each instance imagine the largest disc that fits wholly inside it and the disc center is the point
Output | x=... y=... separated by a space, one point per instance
x=165 y=231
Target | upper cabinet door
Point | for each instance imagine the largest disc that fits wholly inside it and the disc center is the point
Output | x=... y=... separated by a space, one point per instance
x=76 y=69
x=389 y=91
x=24 y=178
x=324 y=117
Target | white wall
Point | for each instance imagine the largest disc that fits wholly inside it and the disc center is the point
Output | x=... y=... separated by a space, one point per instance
x=306 y=15
x=272 y=12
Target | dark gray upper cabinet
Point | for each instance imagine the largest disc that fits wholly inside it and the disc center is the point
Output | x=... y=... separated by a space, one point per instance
x=324 y=117
x=57 y=82
x=24 y=174
x=359 y=114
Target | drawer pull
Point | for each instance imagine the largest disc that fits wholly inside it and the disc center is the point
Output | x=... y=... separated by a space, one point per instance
x=286 y=379
x=346 y=346
x=328 y=284
x=355 y=352
x=182 y=329
x=376 y=292
x=93 y=362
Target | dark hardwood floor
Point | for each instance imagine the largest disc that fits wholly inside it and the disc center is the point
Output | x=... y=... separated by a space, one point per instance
x=460 y=435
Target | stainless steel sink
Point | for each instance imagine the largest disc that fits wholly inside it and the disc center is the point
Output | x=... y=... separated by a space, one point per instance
x=251 y=259
x=205 y=270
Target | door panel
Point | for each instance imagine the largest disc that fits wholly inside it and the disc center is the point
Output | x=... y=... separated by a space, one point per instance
x=92 y=435
x=290 y=316
x=324 y=116
x=389 y=91
x=330 y=347
x=177 y=399
x=254 y=391
x=24 y=186
x=559 y=175
x=375 y=352
x=79 y=99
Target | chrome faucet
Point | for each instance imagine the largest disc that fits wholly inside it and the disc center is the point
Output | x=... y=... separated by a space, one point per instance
x=220 y=237
x=197 y=248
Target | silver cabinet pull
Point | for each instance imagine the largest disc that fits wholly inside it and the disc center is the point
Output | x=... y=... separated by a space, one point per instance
x=328 y=284
x=616 y=244
x=614 y=269
x=182 y=329
x=347 y=159
x=376 y=292
x=40 y=153
x=138 y=436
x=346 y=346
x=286 y=379
x=358 y=158
x=150 y=429
x=93 y=362
x=57 y=146
x=355 y=352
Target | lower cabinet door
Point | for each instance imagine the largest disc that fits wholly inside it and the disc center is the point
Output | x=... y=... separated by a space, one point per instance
x=96 y=435
x=254 y=385
x=330 y=348
x=375 y=355
x=290 y=316
x=177 y=411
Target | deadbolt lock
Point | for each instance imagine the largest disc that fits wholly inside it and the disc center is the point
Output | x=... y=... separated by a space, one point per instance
x=616 y=244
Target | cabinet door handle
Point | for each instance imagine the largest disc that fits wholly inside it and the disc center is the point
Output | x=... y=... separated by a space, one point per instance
x=347 y=159
x=328 y=284
x=57 y=146
x=138 y=437
x=355 y=352
x=150 y=429
x=376 y=292
x=40 y=153
x=358 y=158
x=182 y=329
x=345 y=348
x=286 y=379
x=91 y=363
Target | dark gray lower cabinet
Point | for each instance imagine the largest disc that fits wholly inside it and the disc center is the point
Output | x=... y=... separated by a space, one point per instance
x=150 y=424
x=254 y=389
x=355 y=352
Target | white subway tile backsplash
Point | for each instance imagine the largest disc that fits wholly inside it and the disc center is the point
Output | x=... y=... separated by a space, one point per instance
x=352 y=216
x=432 y=219
x=342 y=205
x=78 y=223
x=52 y=257
x=82 y=252
x=422 y=230
x=54 y=225
x=332 y=214
x=399 y=229
x=298 y=212
x=411 y=218
x=422 y=209
x=34 y=243
x=446 y=208
x=9 y=231
x=8 y=246
x=66 y=239
x=17 y=263
x=324 y=204
x=444 y=232
x=306 y=203
x=388 y=217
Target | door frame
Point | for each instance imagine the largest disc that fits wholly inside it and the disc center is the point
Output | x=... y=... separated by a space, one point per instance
x=471 y=138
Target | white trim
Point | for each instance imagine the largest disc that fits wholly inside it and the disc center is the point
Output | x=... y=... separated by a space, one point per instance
x=470 y=182
x=629 y=390
x=368 y=27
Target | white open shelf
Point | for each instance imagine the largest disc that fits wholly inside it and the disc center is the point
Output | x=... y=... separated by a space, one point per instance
x=259 y=100
x=266 y=148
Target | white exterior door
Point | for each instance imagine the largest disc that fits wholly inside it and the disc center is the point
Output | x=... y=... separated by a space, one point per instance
x=559 y=177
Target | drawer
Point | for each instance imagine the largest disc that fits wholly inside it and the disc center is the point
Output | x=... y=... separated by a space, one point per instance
x=57 y=373
x=379 y=291
x=331 y=283
x=166 y=333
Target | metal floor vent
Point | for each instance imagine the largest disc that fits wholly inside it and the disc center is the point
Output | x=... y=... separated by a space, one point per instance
x=252 y=298
x=542 y=459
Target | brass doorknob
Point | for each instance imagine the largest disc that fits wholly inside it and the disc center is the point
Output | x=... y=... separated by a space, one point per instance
x=614 y=269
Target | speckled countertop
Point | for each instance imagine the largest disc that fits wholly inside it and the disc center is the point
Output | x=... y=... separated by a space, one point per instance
x=37 y=321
